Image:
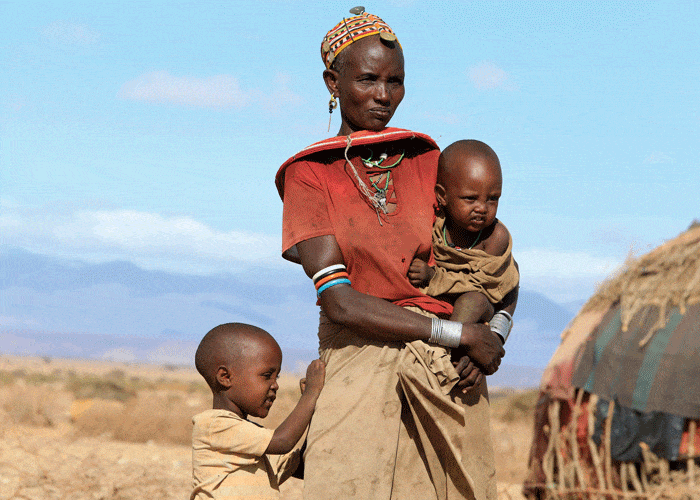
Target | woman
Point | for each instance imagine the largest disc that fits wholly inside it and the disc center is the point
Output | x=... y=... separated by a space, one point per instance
x=392 y=421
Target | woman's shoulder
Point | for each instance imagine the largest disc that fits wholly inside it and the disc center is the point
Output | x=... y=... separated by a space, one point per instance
x=331 y=149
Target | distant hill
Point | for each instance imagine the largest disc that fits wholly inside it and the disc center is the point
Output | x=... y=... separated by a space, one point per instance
x=66 y=308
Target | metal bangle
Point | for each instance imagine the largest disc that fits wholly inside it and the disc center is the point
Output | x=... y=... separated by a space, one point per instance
x=445 y=333
x=501 y=324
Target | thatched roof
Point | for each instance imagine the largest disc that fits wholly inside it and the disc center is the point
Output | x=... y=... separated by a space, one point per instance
x=667 y=277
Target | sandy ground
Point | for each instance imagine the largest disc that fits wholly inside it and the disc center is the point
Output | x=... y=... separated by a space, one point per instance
x=59 y=456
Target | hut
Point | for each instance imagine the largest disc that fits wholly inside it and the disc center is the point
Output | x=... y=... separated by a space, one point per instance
x=619 y=402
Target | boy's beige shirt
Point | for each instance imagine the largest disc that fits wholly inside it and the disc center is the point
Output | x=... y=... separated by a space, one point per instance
x=228 y=458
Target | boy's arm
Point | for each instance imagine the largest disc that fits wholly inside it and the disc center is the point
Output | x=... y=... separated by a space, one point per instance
x=290 y=431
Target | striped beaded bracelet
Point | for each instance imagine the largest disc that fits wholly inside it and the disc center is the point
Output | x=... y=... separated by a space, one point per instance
x=330 y=276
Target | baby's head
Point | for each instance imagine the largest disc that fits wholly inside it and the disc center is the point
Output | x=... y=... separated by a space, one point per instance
x=241 y=364
x=469 y=184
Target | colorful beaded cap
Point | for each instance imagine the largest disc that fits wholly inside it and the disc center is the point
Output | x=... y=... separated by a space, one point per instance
x=350 y=30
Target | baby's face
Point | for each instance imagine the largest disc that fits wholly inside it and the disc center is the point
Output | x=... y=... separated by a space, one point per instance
x=472 y=191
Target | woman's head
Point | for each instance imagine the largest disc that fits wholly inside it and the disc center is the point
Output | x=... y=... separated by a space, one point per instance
x=365 y=71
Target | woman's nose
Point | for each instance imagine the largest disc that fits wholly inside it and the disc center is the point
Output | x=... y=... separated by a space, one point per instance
x=382 y=93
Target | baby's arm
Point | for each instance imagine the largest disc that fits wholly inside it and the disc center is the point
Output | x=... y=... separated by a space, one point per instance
x=420 y=273
x=290 y=431
x=496 y=243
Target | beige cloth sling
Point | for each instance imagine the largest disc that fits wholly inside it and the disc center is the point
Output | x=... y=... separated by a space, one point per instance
x=388 y=425
x=465 y=270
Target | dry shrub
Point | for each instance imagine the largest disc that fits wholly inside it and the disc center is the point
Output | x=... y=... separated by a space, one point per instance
x=515 y=406
x=96 y=417
x=157 y=417
x=41 y=406
x=113 y=386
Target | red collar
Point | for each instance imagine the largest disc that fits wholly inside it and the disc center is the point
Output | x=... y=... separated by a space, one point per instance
x=358 y=139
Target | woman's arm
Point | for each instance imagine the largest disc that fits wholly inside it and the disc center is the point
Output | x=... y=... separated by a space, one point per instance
x=378 y=319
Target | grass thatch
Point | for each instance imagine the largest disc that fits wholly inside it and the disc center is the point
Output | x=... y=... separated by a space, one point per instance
x=668 y=277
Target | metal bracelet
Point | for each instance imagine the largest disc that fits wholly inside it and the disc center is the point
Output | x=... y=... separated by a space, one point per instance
x=501 y=324
x=445 y=333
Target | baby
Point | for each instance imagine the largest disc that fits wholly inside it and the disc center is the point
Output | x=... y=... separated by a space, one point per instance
x=230 y=461
x=475 y=268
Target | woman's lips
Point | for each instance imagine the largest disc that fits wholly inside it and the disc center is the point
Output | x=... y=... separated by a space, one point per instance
x=382 y=113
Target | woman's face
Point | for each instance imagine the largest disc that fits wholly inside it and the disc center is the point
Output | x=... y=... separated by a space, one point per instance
x=368 y=83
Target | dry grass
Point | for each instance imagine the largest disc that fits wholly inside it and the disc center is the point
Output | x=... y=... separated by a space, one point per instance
x=81 y=430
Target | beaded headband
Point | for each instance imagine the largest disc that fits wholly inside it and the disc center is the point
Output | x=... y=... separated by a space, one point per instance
x=352 y=29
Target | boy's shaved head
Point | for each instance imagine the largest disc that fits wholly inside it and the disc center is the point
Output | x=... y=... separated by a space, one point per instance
x=453 y=156
x=227 y=345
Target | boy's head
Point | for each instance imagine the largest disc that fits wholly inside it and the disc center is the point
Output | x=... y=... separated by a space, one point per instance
x=469 y=184
x=241 y=364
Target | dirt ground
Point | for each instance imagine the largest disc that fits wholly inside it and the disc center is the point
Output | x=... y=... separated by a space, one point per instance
x=107 y=431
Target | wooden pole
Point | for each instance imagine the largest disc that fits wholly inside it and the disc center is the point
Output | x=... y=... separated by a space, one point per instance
x=595 y=456
x=574 y=441
x=692 y=430
x=608 y=456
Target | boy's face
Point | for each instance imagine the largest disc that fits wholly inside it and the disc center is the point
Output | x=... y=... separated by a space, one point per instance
x=254 y=385
x=471 y=191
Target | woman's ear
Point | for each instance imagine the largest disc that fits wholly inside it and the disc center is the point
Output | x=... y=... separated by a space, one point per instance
x=224 y=377
x=330 y=77
x=440 y=195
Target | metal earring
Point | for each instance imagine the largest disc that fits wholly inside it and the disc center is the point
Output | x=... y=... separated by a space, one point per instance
x=332 y=104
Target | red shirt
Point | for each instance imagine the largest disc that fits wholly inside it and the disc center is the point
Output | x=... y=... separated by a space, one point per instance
x=321 y=197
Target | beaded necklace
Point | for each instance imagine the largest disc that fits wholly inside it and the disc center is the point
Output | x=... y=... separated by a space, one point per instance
x=444 y=237
x=377 y=199
x=381 y=192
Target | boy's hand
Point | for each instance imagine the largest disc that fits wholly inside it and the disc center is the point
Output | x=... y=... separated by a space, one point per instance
x=420 y=273
x=315 y=377
x=483 y=347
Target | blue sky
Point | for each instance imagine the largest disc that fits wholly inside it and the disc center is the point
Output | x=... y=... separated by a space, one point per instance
x=150 y=132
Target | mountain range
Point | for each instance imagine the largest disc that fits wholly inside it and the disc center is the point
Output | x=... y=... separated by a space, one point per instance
x=61 y=307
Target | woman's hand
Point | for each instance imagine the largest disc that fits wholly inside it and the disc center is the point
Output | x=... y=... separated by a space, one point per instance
x=420 y=273
x=483 y=347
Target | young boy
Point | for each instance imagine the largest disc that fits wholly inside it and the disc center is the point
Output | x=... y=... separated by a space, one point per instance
x=475 y=268
x=241 y=364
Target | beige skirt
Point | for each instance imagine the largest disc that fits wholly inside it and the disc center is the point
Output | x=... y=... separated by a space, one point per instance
x=389 y=426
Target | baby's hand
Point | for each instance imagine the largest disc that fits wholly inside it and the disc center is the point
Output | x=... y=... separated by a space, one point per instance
x=420 y=273
x=315 y=377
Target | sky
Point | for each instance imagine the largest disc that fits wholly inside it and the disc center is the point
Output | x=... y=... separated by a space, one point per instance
x=150 y=132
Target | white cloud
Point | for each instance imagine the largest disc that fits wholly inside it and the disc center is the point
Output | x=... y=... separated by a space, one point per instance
x=564 y=276
x=220 y=91
x=545 y=262
x=281 y=96
x=153 y=241
x=17 y=323
x=487 y=76
x=120 y=354
x=68 y=33
x=444 y=117
x=217 y=92
x=658 y=157
x=173 y=353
